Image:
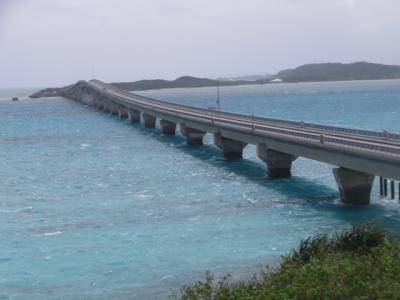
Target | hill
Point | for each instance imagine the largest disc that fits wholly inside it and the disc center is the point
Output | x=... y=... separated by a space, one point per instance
x=152 y=84
x=181 y=82
x=304 y=73
x=339 y=72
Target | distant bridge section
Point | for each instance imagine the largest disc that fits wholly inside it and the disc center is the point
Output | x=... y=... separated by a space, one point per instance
x=359 y=155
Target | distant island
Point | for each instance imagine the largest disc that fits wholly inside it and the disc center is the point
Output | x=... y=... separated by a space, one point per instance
x=304 y=73
x=339 y=72
x=181 y=82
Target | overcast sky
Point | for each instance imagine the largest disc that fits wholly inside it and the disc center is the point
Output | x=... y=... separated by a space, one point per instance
x=56 y=42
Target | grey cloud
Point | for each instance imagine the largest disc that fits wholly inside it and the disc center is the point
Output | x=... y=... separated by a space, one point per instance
x=48 y=42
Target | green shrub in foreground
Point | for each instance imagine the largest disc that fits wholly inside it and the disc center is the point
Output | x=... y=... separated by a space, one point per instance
x=362 y=263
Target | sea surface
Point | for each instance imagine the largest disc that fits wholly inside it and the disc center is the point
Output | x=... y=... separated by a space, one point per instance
x=93 y=207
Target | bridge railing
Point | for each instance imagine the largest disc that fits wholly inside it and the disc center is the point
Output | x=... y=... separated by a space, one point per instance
x=313 y=137
x=370 y=133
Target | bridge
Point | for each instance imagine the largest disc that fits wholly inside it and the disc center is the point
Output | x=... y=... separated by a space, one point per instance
x=359 y=155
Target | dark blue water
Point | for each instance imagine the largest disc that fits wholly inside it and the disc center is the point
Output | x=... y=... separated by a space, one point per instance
x=92 y=207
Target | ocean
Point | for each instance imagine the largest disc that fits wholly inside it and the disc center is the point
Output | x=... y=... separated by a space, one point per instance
x=94 y=207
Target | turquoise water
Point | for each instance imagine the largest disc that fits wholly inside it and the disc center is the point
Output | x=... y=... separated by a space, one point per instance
x=93 y=207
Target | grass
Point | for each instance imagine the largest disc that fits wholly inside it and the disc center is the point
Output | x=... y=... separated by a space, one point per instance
x=360 y=263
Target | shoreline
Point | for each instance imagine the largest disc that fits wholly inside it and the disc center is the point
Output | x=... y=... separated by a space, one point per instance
x=268 y=84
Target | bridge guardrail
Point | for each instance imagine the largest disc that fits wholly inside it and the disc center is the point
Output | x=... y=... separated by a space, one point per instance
x=309 y=136
x=371 y=133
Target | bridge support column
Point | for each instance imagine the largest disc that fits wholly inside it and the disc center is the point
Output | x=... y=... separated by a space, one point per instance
x=79 y=94
x=89 y=99
x=97 y=101
x=134 y=115
x=100 y=103
x=122 y=111
x=149 y=121
x=114 y=108
x=75 y=95
x=193 y=136
x=168 y=127
x=84 y=98
x=354 y=187
x=278 y=163
x=232 y=149
x=106 y=105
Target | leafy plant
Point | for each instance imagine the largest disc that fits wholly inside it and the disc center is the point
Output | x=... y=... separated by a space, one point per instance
x=361 y=263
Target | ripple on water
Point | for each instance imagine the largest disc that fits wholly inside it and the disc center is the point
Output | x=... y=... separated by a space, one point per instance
x=118 y=211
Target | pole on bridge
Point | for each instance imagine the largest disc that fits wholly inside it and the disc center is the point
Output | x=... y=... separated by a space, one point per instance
x=381 y=186
x=385 y=191
x=218 y=104
x=392 y=188
x=399 y=190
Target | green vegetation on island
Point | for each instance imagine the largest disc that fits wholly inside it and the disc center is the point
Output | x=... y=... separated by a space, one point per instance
x=362 y=263
x=181 y=82
x=305 y=73
x=339 y=72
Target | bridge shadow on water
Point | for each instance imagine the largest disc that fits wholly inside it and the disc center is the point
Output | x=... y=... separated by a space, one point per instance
x=297 y=190
x=294 y=187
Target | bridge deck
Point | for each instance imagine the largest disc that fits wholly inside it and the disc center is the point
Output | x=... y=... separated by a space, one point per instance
x=366 y=151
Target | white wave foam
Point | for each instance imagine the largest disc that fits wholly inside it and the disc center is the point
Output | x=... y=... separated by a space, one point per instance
x=17 y=210
x=52 y=233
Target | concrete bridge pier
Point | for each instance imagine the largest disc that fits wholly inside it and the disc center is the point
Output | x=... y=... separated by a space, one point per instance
x=232 y=149
x=83 y=97
x=193 y=136
x=92 y=101
x=106 y=105
x=97 y=101
x=278 y=163
x=134 y=115
x=79 y=97
x=114 y=108
x=354 y=187
x=149 y=121
x=122 y=111
x=168 y=127
x=100 y=103
x=88 y=99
